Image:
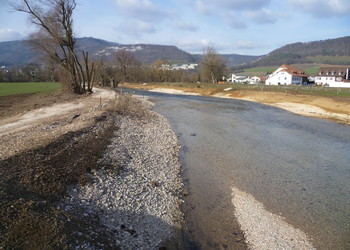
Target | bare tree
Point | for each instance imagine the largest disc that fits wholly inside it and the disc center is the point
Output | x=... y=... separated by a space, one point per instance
x=55 y=38
x=213 y=66
x=100 y=73
x=125 y=61
x=112 y=75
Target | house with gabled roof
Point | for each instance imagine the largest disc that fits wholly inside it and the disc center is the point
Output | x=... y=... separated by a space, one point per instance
x=287 y=75
x=333 y=77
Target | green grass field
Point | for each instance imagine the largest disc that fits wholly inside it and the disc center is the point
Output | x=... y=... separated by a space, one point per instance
x=15 y=88
x=310 y=69
x=261 y=70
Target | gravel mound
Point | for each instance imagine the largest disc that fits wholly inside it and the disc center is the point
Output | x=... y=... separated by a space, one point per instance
x=264 y=230
x=136 y=195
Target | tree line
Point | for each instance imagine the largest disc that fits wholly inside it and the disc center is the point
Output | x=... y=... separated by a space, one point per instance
x=123 y=67
x=55 y=40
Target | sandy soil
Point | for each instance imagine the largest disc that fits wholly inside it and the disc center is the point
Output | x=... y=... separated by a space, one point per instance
x=40 y=126
x=43 y=152
x=333 y=108
x=172 y=91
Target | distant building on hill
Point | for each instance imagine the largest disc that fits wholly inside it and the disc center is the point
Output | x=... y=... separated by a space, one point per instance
x=287 y=75
x=333 y=77
x=244 y=79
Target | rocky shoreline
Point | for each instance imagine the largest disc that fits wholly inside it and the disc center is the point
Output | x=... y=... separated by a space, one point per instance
x=138 y=205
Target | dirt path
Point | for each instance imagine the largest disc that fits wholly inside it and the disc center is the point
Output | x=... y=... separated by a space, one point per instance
x=49 y=154
x=40 y=126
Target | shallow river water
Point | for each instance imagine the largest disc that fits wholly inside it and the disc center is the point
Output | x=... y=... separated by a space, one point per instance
x=297 y=167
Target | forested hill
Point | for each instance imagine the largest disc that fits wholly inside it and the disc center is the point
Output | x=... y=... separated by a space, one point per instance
x=19 y=53
x=331 y=51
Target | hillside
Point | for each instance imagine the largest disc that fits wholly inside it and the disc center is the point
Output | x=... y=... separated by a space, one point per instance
x=331 y=51
x=19 y=53
x=16 y=53
x=146 y=53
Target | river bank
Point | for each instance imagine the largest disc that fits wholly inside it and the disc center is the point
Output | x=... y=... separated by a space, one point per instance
x=252 y=164
x=332 y=108
x=140 y=203
x=137 y=208
x=102 y=173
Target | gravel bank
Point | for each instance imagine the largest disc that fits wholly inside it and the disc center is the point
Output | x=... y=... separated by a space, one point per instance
x=140 y=203
x=264 y=230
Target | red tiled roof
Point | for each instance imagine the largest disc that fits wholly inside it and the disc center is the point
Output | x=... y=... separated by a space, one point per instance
x=294 y=71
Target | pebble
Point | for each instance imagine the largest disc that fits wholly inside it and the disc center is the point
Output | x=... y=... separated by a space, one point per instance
x=139 y=211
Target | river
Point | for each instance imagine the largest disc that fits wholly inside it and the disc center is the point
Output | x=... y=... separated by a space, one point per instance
x=297 y=167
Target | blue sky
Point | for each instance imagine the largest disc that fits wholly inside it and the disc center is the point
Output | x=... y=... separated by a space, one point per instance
x=250 y=27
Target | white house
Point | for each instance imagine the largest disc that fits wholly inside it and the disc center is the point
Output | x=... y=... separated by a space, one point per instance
x=236 y=78
x=333 y=77
x=255 y=80
x=287 y=75
x=243 y=79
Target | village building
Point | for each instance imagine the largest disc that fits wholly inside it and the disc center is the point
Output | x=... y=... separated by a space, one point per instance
x=255 y=80
x=244 y=79
x=191 y=66
x=333 y=77
x=287 y=75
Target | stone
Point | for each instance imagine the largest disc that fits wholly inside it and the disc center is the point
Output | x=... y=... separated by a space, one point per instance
x=154 y=184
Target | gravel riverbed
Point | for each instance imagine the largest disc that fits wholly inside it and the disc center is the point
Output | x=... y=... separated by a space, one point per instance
x=140 y=203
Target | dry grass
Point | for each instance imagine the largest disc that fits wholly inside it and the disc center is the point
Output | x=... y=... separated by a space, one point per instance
x=128 y=106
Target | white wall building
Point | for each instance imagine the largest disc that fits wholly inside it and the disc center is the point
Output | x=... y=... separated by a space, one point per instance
x=255 y=80
x=287 y=75
x=236 y=78
x=338 y=77
x=244 y=79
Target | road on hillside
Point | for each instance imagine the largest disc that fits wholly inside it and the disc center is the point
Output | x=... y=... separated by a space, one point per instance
x=297 y=167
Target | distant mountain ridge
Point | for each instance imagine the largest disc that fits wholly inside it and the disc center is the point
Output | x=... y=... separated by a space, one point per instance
x=19 y=53
x=330 y=51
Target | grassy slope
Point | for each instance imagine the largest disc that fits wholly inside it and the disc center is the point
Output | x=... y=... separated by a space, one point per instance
x=28 y=88
x=260 y=69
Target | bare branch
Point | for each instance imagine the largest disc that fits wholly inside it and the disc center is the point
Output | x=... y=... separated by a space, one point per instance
x=55 y=37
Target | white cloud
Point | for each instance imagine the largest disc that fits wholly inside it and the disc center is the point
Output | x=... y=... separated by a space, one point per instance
x=185 y=26
x=136 y=28
x=202 y=7
x=239 y=4
x=222 y=7
x=144 y=10
x=236 y=12
x=194 y=46
x=261 y=16
x=233 y=21
x=10 y=35
x=246 y=45
x=323 y=8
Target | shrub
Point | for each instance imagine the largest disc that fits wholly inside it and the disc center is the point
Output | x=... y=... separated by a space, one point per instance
x=130 y=106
